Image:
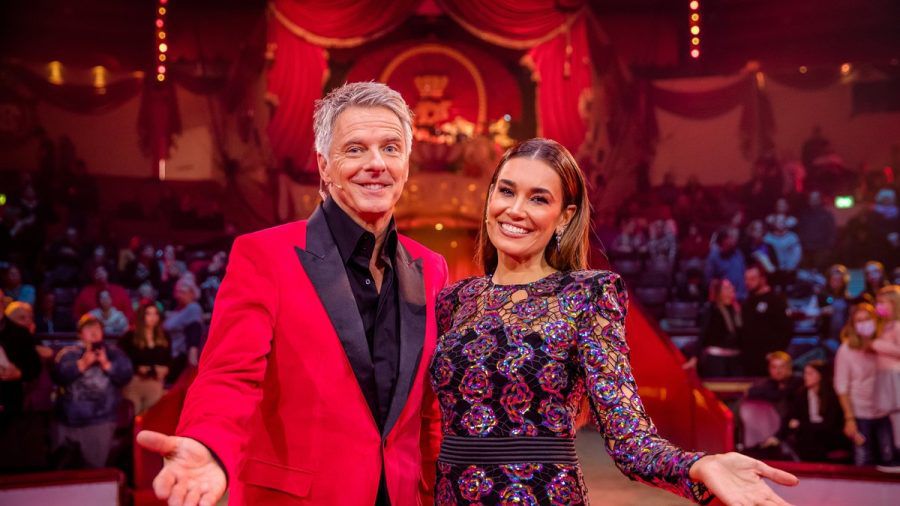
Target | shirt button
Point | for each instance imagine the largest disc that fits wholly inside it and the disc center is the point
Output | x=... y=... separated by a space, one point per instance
x=368 y=281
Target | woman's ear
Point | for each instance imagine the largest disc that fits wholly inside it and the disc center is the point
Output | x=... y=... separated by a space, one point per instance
x=566 y=217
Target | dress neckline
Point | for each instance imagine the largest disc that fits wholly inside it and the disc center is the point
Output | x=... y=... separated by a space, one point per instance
x=490 y=280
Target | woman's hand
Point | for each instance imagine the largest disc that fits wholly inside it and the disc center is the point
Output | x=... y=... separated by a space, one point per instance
x=737 y=480
x=852 y=432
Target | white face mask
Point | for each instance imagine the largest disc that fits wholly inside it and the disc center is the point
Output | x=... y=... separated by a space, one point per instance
x=865 y=328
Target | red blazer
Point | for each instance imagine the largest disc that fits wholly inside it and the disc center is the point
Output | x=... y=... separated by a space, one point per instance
x=280 y=397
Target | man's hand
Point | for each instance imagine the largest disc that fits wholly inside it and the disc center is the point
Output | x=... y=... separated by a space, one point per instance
x=190 y=475
x=103 y=360
x=86 y=361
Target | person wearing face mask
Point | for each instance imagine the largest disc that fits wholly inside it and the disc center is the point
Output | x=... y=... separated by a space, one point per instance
x=887 y=348
x=867 y=426
x=522 y=347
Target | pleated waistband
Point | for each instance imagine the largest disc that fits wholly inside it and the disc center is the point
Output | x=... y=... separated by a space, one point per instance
x=507 y=450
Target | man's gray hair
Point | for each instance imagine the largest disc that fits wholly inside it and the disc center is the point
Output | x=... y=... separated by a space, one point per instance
x=362 y=94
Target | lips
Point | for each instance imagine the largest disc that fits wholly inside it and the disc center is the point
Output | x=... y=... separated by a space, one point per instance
x=513 y=230
x=374 y=186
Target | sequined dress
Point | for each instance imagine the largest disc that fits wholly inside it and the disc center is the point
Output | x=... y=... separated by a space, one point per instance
x=514 y=363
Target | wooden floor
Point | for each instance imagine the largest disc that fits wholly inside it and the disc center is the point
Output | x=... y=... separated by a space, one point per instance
x=608 y=486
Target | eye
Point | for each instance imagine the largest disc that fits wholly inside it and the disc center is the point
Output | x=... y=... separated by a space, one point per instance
x=539 y=199
x=392 y=148
x=354 y=150
x=505 y=191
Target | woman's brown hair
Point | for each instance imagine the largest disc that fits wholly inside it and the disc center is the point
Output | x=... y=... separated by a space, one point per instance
x=139 y=340
x=849 y=334
x=574 y=246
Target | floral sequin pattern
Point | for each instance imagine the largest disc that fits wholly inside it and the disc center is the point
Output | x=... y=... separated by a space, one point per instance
x=508 y=365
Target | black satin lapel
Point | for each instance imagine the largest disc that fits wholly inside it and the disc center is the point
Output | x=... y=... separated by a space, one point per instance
x=412 y=330
x=322 y=263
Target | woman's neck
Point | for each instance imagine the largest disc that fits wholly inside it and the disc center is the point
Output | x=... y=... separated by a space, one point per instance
x=513 y=271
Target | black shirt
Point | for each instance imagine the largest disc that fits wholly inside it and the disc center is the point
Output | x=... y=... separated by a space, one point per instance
x=767 y=328
x=378 y=310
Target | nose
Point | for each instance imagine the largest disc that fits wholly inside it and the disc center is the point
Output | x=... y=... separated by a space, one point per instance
x=376 y=161
x=516 y=209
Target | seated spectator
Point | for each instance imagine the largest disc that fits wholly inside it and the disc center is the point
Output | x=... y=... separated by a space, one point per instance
x=788 y=251
x=631 y=242
x=89 y=376
x=813 y=427
x=15 y=289
x=767 y=327
x=87 y=297
x=834 y=306
x=694 y=244
x=49 y=319
x=725 y=261
x=855 y=367
x=171 y=270
x=817 y=231
x=692 y=288
x=887 y=349
x=142 y=269
x=184 y=326
x=884 y=222
x=19 y=363
x=64 y=262
x=875 y=280
x=756 y=249
x=148 y=348
x=98 y=258
x=661 y=246
x=114 y=322
x=720 y=330
x=212 y=278
x=780 y=387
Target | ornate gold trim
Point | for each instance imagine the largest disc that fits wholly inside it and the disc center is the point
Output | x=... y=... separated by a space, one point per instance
x=480 y=90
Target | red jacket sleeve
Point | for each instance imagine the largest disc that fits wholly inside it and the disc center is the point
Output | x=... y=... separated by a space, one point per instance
x=227 y=389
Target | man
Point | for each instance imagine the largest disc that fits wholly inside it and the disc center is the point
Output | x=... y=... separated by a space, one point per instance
x=725 y=260
x=19 y=361
x=780 y=387
x=817 y=231
x=89 y=376
x=767 y=327
x=312 y=386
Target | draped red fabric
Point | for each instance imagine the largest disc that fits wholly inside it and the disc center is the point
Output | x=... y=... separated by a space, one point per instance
x=295 y=81
x=813 y=79
x=756 y=123
x=342 y=23
x=82 y=99
x=563 y=81
x=511 y=23
x=158 y=119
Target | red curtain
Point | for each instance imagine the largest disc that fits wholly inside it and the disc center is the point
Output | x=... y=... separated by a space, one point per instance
x=517 y=24
x=295 y=81
x=813 y=79
x=158 y=119
x=756 y=123
x=341 y=23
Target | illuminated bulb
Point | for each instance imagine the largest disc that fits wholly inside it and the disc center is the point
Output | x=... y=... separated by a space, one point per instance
x=162 y=57
x=695 y=41
x=454 y=244
x=54 y=72
x=162 y=35
x=695 y=17
x=161 y=69
x=845 y=68
x=159 y=23
x=162 y=11
x=99 y=74
x=163 y=47
x=695 y=53
x=695 y=5
x=695 y=30
x=803 y=69
x=439 y=226
x=160 y=77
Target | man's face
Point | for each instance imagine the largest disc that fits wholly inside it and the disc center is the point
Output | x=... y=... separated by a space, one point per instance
x=368 y=162
x=101 y=276
x=753 y=279
x=779 y=370
x=90 y=334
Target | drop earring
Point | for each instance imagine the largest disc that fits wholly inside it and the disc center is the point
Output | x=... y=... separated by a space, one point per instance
x=558 y=239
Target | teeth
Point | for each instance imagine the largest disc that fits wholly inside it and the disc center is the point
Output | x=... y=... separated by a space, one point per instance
x=513 y=229
x=373 y=186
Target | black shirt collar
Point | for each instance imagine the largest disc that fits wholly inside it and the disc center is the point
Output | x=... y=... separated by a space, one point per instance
x=353 y=240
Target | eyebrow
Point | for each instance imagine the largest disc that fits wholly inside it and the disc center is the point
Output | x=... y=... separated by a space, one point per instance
x=536 y=189
x=385 y=140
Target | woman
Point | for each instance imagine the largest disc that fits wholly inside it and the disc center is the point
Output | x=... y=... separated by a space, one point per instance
x=887 y=348
x=814 y=424
x=521 y=348
x=834 y=306
x=720 y=332
x=114 y=322
x=185 y=327
x=148 y=348
x=867 y=427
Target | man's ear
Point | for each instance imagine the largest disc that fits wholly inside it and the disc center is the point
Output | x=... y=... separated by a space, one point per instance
x=322 y=163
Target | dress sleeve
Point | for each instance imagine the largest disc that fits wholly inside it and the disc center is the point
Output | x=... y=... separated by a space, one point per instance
x=631 y=438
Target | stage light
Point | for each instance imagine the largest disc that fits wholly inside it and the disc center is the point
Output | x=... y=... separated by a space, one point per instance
x=54 y=72
x=695 y=53
x=163 y=47
x=843 y=202
x=695 y=5
x=695 y=30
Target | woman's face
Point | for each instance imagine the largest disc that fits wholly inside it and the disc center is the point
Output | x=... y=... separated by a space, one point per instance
x=151 y=317
x=836 y=281
x=884 y=308
x=811 y=377
x=863 y=320
x=525 y=208
x=727 y=294
x=105 y=300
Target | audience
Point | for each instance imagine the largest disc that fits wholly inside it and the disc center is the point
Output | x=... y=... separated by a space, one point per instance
x=855 y=369
x=767 y=327
x=887 y=349
x=114 y=322
x=185 y=327
x=15 y=289
x=780 y=386
x=725 y=260
x=87 y=298
x=720 y=331
x=89 y=376
x=148 y=348
x=834 y=306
